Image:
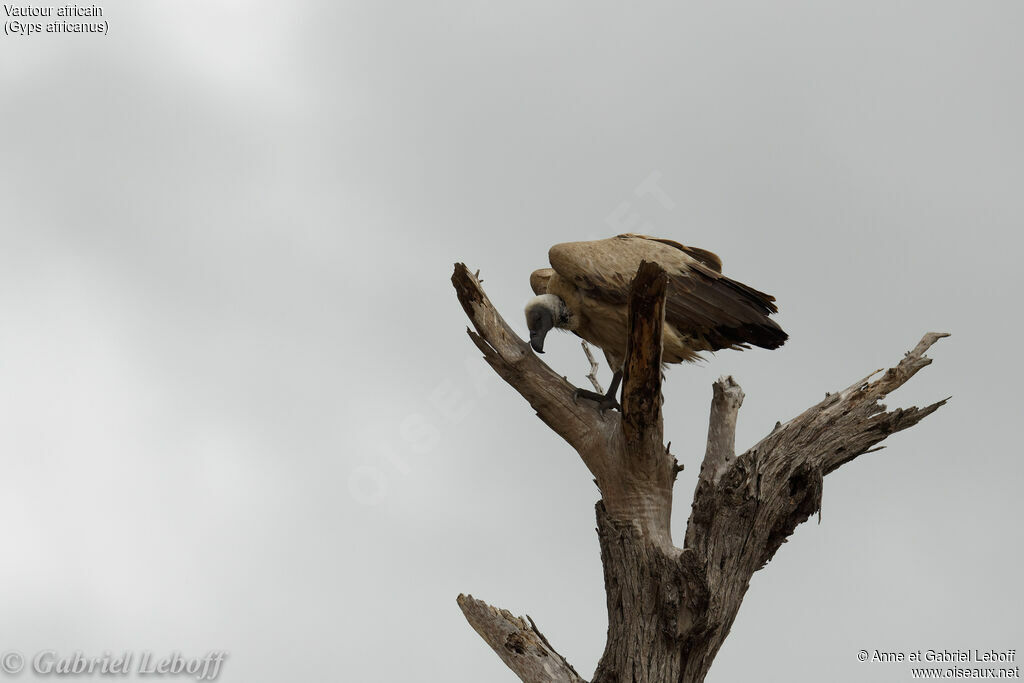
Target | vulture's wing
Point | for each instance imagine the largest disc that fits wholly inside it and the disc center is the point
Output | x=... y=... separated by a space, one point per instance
x=539 y=280
x=709 y=259
x=702 y=303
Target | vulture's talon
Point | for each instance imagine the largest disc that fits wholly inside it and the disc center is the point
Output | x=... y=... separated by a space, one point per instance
x=604 y=401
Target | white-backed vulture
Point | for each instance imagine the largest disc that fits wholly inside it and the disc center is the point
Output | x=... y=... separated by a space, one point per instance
x=586 y=291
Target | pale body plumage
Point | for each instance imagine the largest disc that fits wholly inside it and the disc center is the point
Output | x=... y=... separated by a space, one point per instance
x=705 y=311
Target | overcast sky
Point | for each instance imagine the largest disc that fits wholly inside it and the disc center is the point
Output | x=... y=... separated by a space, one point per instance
x=238 y=408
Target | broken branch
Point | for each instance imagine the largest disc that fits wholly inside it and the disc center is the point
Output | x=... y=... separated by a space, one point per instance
x=593 y=368
x=521 y=645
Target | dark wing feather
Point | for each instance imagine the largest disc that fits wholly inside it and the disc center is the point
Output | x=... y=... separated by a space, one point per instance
x=720 y=311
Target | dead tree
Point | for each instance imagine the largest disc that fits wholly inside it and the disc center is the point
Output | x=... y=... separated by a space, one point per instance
x=669 y=608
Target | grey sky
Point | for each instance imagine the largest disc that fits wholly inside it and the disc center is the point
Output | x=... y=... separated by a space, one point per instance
x=238 y=409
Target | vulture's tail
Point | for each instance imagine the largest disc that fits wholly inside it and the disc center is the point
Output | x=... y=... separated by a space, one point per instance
x=763 y=332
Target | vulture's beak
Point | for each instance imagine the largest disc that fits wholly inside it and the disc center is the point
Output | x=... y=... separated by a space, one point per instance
x=537 y=341
x=539 y=329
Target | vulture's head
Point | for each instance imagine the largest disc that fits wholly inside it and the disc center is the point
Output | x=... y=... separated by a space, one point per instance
x=543 y=313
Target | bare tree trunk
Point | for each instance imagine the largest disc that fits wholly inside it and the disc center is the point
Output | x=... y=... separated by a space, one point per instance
x=670 y=609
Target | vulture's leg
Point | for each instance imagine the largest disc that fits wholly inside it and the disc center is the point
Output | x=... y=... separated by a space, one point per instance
x=604 y=401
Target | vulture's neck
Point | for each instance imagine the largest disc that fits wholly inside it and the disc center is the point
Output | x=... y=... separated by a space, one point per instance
x=560 y=313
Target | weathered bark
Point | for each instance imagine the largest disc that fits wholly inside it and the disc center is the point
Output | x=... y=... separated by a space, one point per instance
x=670 y=609
x=522 y=646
